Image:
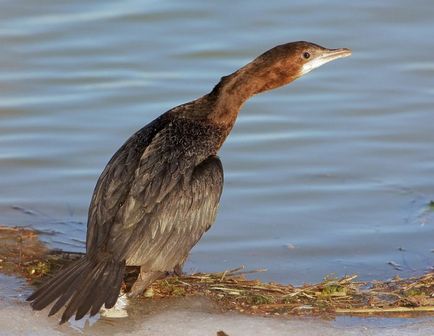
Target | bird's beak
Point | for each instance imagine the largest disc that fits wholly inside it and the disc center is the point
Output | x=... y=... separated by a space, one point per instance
x=332 y=54
x=326 y=56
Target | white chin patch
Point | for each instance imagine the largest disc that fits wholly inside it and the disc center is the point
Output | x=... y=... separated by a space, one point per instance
x=313 y=64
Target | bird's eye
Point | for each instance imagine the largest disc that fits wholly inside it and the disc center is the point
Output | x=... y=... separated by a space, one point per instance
x=306 y=55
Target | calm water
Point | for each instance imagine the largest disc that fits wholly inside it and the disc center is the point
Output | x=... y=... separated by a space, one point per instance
x=330 y=174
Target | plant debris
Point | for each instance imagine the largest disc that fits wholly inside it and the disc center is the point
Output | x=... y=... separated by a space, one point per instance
x=22 y=254
x=232 y=291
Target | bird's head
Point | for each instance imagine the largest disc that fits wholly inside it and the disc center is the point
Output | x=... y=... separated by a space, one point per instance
x=276 y=67
x=287 y=62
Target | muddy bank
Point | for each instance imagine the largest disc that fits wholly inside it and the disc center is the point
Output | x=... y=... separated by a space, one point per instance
x=21 y=253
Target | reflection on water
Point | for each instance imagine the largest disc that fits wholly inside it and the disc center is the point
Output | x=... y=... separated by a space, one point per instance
x=331 y=174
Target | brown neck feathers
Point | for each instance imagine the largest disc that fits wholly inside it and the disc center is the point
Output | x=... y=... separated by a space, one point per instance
x=229 y=95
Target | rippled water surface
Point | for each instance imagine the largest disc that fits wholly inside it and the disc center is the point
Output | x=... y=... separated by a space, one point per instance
x=332 y=174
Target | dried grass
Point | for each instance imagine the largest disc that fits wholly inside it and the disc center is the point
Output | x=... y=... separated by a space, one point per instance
x=232 y=291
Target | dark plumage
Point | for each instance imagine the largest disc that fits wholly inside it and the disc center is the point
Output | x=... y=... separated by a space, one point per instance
x=160 y=191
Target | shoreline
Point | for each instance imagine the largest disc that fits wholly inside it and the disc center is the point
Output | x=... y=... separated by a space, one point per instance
x=23 y=254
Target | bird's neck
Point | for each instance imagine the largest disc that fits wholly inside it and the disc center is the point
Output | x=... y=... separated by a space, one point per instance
x=222 y=105
x=229 y=95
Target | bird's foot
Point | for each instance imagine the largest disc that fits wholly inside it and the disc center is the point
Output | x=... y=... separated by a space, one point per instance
x=118 y=310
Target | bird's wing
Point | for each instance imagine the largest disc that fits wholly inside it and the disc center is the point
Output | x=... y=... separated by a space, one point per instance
x=163 y=236
x=114 y=184
x=135 y=191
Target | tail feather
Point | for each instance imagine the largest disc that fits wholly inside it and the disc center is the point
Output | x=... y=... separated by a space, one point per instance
x=106 y=296
x=63 y=299
x=69 y=292
x=80 y=297
x=85 y=285
x=101 y=295
x=89 y=296
x=60 y=282
x=112 y=298
x=56 y=279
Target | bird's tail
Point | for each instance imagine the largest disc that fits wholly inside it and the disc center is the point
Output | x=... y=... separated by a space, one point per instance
x=85 y=285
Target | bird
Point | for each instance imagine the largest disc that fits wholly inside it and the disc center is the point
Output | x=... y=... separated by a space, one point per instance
x=160 y=191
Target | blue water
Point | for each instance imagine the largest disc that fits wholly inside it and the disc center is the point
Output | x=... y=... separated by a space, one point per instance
x=332 y=174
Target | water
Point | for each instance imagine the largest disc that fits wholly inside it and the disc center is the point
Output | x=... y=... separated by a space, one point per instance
x=331 y=174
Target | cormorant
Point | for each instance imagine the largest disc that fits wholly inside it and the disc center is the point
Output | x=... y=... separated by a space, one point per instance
x=160 y=191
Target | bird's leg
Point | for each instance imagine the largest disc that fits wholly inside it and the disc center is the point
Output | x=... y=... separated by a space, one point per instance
x=178 y=267
x=144 y=280
x=178 y=270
